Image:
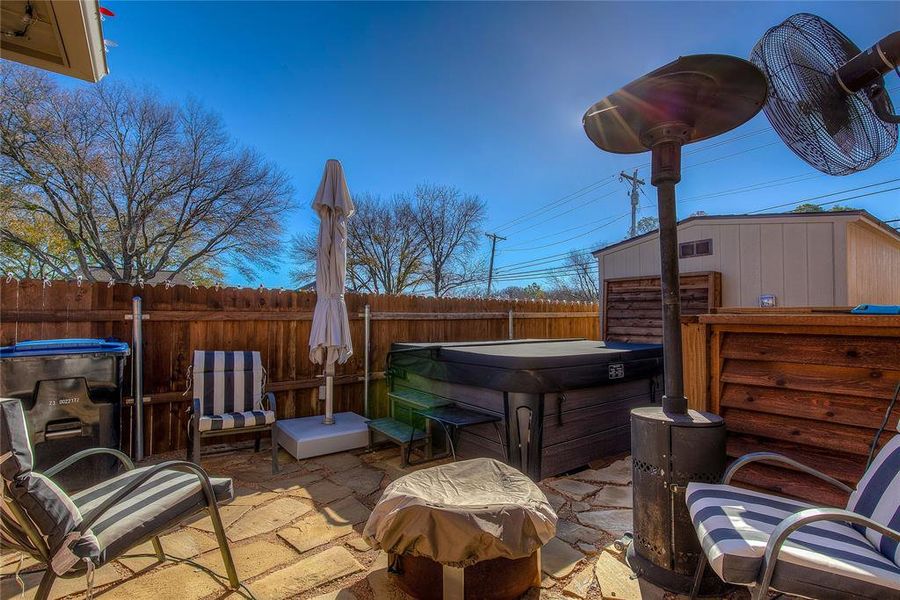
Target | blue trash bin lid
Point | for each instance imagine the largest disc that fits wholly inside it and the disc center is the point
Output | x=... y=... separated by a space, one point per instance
x=65 y=347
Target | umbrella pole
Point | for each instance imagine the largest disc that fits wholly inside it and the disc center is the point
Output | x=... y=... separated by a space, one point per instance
x=329 y=395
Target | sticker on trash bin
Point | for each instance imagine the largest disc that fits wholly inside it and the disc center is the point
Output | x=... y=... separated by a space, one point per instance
x=617 y=370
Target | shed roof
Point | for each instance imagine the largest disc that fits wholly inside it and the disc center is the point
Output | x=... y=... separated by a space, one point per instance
x=859 y=214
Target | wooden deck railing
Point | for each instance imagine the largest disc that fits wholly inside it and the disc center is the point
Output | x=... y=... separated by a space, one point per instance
x=811 y=384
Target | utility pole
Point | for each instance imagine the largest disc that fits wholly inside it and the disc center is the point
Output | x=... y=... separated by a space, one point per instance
x=635 y=196
x=494 y=238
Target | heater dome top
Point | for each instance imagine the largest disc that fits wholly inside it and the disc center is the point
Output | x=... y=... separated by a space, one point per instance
x=708 y=93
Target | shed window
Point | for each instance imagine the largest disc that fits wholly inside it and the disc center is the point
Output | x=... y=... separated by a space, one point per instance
x=697 y=248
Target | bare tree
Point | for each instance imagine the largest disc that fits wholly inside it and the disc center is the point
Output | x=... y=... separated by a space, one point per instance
x=134 y=185
x=578 y=278
x=449 y=224
x=384 y=250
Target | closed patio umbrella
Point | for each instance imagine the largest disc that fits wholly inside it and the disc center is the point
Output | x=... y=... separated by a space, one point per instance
x=329 y=338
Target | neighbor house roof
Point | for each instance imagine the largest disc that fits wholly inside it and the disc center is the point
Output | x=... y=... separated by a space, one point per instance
x=861 y=214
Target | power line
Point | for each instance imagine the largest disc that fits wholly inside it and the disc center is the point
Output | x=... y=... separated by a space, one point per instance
x=543 y=273
x=863 y=187
x=557 y=215
x=536 y=212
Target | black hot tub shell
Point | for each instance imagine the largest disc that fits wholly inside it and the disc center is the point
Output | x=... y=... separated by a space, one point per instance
x=563 y=403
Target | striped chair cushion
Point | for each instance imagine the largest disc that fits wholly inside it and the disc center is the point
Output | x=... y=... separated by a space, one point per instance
x=44 y=503
x=234 y=420
x=821 y=560
x=161 y=502
x=227 y=382
x=877 y=496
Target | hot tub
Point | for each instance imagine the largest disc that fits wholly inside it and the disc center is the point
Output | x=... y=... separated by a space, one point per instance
x=563 y=403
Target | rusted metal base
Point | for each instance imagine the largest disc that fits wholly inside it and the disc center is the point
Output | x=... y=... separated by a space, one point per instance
x=669 y=580
x=497 y=579
x=669 y=450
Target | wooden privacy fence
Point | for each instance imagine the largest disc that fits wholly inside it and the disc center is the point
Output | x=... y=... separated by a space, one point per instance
x=633 y=305
x=814 y=386
x=180 y=319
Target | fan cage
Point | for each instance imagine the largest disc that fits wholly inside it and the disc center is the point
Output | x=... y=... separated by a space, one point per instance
x=835 y=132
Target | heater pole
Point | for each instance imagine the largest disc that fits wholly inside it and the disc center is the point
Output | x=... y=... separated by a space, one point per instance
x=666 y=172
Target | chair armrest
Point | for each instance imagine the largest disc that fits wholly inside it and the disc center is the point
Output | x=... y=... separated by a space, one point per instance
x=805 y=517
x=269 y=400
x=772 y=457
x=68 y=462
x=174 y=465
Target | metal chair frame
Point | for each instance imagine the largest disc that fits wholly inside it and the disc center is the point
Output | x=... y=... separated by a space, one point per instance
x=36 y=546
x=759 y=589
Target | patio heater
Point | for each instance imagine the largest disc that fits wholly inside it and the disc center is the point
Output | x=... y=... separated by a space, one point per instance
x=691 y=99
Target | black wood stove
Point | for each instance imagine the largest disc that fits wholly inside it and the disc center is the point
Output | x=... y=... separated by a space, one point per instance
x=688 y=100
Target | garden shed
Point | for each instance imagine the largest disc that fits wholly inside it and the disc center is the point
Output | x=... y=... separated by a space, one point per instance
x=787 y=259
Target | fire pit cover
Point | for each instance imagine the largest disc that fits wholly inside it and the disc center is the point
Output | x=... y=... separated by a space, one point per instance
x=462 y=513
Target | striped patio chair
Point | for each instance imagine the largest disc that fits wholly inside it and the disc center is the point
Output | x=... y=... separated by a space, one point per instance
x=72 y=535
x=229 y=398
x=767 y=542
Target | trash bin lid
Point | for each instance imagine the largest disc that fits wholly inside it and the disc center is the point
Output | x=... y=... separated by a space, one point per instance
x=65 y=347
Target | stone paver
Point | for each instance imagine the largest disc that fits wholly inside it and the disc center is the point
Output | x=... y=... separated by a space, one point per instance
x=250 y=559
x=337 y=462
x=184 y=543
x=244 y=496
x=321 y=492
x=312 y=531
x=105 y=575
x=229 y=514
x=349 y=510
x=180 y=581
x=307 y=574
x=579 y=586
x=558 y=559
x=343 y=594
x=613 y=495
x=577 y=490
x=292 y=483
x=615 y=522
x=556 y=500
x=618 y=472
x=574 y=533
x=616 y=579
x=359 y=544
x=362 y=480
x=267 y=518
x=319 y=528
x=589 y=549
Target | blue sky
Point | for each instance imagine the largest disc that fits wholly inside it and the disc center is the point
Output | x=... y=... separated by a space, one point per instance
x=486 y=97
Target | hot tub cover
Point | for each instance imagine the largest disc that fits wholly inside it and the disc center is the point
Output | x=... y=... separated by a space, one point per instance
x=462 y=513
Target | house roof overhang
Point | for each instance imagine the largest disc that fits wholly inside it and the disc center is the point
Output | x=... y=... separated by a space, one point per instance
x=63 y=36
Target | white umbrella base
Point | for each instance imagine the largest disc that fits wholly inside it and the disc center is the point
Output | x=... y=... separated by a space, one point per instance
x=308 y=436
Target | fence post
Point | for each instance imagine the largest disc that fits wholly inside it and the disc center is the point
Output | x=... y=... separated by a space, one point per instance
x=511 y=334
x=368 y=316
x=137 y=383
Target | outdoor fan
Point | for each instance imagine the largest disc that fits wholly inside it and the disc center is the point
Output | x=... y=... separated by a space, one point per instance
x=688 y=100
x=826 y=98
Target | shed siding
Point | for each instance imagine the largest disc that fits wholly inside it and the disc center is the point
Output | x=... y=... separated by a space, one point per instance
x=873 y=266
x=802 y=261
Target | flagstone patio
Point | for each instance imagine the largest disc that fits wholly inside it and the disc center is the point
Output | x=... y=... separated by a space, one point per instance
x=297 y=535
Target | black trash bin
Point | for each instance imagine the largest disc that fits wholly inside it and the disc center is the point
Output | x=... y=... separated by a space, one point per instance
x=71 y=390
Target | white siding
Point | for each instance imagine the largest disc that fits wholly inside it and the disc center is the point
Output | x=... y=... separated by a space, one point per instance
x=802 y=260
